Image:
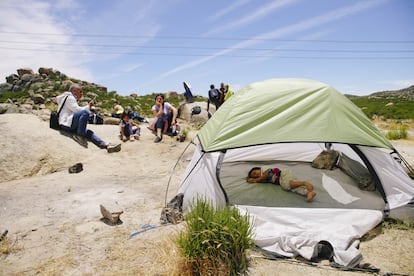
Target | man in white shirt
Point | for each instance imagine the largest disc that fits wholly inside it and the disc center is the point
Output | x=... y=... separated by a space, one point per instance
x=74 y=118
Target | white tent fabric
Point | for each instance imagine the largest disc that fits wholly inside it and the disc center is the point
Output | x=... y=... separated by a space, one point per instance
x=285 y=232
x=201 y=181
x=399 y=187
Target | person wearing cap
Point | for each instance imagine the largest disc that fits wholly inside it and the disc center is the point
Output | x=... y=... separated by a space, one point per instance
x=118 y=110
x=74 y=118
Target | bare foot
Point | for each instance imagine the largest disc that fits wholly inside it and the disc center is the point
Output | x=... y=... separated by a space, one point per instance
x=310 y=196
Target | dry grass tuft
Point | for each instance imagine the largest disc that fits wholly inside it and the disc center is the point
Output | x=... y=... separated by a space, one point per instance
x=56 y=266
x=7 y=247
x=150 y=253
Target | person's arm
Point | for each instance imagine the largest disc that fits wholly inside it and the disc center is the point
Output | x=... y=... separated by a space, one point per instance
x=261 y=179
x=72 y=104
x=157 y=110
x=124 y=138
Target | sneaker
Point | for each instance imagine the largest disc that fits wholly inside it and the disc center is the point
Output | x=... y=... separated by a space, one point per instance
x=113 y=148
x=157 y=139
x=80 y=140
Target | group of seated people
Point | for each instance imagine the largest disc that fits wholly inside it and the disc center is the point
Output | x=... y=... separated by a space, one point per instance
x=165 y=121
x=165 y=114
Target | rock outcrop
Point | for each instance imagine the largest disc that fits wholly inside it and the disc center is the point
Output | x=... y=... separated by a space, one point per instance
x=42 y=88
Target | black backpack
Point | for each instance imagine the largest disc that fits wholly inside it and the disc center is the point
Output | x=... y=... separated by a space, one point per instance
x=195 y=110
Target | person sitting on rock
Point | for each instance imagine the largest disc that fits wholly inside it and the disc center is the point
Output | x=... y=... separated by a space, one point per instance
x=165 y=117
x=118 y=110
x=74 y=118
x=129 y=130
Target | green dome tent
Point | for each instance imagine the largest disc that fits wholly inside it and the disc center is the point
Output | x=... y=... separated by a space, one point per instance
x=288 y=110
x=287 y=123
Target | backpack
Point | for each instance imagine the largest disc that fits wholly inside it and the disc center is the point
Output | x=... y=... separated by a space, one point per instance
x=195 y=110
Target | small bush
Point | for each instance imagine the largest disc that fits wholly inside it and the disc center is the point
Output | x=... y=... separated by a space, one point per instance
x=216 y=241
x=397 y=132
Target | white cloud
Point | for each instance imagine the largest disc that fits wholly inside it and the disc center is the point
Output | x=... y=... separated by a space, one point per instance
x=280 y=32
x=255 y=15
x=225 y=11
x=30 y=37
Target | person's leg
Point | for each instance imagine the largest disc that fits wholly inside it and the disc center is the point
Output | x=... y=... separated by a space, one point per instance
x=303 y=188
x=79 y=123
x=169 y=122
x=295 y=184
x=128 y=130
x=159 y=126
x=289 y=183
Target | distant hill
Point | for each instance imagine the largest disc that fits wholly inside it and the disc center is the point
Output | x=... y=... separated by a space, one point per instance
x=406 y=93
x=391 y=104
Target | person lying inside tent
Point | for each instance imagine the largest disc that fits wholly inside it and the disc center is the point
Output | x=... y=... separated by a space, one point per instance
x=284 y=178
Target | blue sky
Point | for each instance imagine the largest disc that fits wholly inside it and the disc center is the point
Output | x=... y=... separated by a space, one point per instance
x=134 y=46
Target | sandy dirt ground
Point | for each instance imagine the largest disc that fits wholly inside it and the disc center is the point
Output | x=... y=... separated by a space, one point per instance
x=54 y=220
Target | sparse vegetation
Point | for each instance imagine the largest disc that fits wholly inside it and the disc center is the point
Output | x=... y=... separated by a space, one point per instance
x=216 y=240
x=397 y=131
x=7 y=247
x=387 y=107
x=400 y=224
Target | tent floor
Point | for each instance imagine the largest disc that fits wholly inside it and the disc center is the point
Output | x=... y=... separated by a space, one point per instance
x=334 y=188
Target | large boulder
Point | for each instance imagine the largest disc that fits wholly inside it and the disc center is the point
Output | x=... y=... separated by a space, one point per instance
x=22 y=71
x=11 y=79
x=46 y=71
x=185 y=111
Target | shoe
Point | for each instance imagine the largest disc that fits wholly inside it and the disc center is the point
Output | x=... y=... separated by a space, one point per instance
x=77 y=168
x=80 y=140
x=113 y=148
x=157 y=139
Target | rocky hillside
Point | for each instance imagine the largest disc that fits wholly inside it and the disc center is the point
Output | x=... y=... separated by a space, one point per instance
x=35 y=92
x=406 y=93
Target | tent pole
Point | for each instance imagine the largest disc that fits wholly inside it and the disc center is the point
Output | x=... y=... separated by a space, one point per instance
x=173 y=169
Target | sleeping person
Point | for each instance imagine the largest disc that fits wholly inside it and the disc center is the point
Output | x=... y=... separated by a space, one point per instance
x=284 y=178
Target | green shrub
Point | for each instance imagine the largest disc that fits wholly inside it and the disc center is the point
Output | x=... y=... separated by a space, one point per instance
x=216 y=240
x=397 y=132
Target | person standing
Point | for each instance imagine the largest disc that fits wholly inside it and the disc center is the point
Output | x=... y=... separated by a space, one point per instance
x=74 y=118
x=214 y=96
